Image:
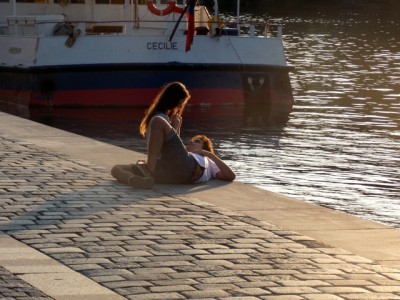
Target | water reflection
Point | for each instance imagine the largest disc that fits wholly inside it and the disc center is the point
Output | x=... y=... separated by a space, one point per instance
x=346 y=119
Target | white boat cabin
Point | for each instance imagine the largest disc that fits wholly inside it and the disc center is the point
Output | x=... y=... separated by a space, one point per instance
x=98 y=17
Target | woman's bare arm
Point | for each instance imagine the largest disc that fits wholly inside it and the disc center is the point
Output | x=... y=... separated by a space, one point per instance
x=176 y=122
x=225 y=173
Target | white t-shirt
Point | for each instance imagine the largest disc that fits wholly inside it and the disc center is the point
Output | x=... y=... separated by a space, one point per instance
x=210 y=168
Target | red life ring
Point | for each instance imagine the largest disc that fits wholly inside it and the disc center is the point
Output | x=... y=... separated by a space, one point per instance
x=169 y=9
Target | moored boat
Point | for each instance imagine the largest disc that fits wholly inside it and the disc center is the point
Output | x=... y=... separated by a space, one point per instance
x=115 y=53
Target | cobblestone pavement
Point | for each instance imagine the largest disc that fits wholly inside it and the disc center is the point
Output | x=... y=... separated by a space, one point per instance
x=152 y=245
x=11 y=287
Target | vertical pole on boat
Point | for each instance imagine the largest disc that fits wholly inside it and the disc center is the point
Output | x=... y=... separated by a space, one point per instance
x=238 y=16
x=92 y=9
x=15 y=14
x=216 y=13
x=135 y=15
x=126 y=14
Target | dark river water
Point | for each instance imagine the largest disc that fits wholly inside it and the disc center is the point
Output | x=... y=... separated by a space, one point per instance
x=341 y=146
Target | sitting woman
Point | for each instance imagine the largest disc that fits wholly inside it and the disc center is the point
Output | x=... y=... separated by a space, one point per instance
x=168 y=161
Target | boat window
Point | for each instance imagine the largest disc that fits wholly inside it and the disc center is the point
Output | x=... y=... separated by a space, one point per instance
x=29 y=1
x=47 y=1
x=110 y=1
x=70 y=1
x=179 y=2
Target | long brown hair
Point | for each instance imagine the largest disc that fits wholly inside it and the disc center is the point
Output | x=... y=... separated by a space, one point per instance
x=167 y=101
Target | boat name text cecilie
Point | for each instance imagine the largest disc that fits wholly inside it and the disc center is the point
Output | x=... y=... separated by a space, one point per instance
x=14 y=50
x=162 y=46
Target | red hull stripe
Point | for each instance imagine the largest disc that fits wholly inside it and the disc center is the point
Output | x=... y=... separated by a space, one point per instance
x=15 y=97
x=135 y=97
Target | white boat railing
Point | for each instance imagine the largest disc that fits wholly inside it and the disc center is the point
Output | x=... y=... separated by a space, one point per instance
x=44 y=25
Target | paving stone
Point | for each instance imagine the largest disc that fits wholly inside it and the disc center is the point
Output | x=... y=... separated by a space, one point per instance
x=157 y=296
x=217 y=293
x=292 y=290
x=171 y=288
x=370 y=296
x=386 y=288
x=322 y=297
x=343 y=289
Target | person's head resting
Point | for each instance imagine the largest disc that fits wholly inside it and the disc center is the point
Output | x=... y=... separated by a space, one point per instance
x=200 y=142
x=171 y=100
